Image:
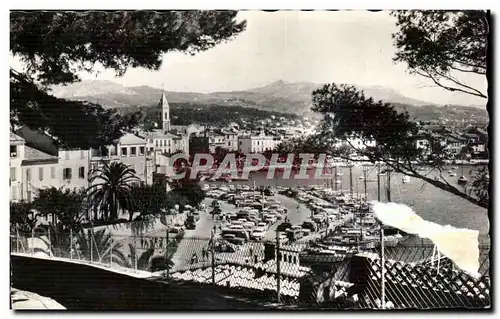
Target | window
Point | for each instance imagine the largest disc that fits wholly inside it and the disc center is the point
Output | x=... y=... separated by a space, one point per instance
x=67 y=173
x=40 y=173
x=168 y=143
x=141 y=150
x=124 y=151
x=53 y=172
x=166 y=115
x=161 y=142
x=133 y=151
x=28 y=174
x=13 y=174
x=241 y=142
x=13 y=151
x=156 y=142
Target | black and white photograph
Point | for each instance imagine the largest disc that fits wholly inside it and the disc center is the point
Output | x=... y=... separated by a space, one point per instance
x=256 y=160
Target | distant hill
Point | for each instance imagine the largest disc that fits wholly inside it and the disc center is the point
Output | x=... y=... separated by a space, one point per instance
x=279 y=96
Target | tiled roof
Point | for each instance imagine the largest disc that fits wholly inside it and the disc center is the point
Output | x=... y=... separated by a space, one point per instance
x=15 y=138
x=440 y=286
x=131 y=139
x=160 y=134
x=31 y=154
x=238 y=277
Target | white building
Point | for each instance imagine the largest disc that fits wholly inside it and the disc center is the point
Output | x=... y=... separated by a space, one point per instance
x=231 y=141
x=257 y=143
x=73 y=168
x=30 y=170
x=187 y=129
x=355 y=143
x=216 y=140
x=70 y=171
x=130 y=150
x=166 y=142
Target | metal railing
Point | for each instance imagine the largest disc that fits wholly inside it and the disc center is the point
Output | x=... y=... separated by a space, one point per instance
x=276 y=270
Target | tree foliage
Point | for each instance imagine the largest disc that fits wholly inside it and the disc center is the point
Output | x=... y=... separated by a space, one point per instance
x=22 y=217
x=67 y=207
x=212 y=115
x=441 y=45
x=62 y=119
x=191 y=192
x=110 y=185
x=147 y=200
x=348 y=113
x=55 y=46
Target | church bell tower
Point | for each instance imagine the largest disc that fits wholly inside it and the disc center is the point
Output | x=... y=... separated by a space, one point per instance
x=165 y=113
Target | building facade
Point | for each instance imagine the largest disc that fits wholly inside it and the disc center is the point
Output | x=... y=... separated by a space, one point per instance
x=130 y=150
x=257 y=143
x=30 y=170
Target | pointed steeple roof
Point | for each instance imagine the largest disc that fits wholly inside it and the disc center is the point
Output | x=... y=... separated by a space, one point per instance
x=163 y=100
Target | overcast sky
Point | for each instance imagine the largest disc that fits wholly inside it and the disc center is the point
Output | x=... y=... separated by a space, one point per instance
x=352 y=47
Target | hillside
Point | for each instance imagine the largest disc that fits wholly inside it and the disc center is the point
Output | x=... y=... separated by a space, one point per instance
x=279 y=96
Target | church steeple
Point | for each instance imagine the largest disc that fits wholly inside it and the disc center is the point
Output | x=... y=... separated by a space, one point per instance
x=165 y=112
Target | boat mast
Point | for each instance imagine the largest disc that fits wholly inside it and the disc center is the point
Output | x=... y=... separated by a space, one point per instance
x=388 y=185
x=335 y=178
x=364 y=174
x=378 y=182
x=350 y=178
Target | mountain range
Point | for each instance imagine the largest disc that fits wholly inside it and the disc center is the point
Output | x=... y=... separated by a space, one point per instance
x=279 y=96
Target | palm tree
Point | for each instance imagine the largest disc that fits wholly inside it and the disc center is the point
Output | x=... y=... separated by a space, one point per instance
x=99 y=246
x=113 y=184
x=143 y=262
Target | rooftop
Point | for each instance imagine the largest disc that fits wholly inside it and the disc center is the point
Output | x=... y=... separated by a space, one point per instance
x=131 y=139
x=15 y=138
x=32 y=154
x=159 y=134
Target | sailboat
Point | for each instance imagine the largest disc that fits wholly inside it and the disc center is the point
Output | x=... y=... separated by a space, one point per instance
x=406 y=179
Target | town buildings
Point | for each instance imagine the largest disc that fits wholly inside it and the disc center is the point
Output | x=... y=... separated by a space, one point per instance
x=37 y=161
x=164 y=141
x=257 y=143
x=43 y=164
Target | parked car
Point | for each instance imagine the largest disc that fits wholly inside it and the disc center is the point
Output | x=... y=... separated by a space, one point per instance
x=258 y=234
x=262 y=225
x=190 y=224
x=175 y=230
x=236 y=227
x=249 y=225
